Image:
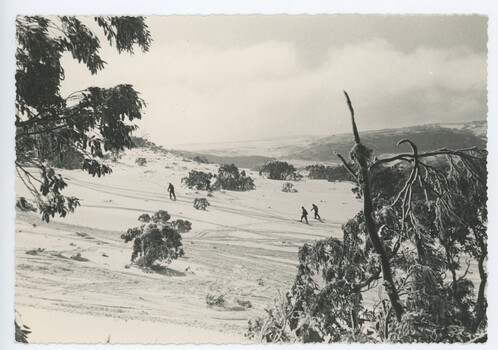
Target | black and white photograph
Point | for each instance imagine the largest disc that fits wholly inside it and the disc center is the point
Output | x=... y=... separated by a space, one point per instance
x=250 y=178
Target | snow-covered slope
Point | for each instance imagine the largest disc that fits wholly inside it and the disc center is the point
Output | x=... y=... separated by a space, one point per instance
x=244 y=246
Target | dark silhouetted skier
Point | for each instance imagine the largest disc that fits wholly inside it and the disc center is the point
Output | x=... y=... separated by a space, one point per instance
x=171 y=190
x=315 y=209
x=208 y=185
x=304 y=216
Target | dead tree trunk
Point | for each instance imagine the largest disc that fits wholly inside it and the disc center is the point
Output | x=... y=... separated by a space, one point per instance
x=368 y=211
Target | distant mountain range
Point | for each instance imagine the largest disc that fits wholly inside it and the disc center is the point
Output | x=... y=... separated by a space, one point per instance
x=307 y=150
x=426 y=137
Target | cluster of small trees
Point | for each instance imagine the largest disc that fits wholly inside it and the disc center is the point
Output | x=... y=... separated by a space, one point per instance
x=228 y=178
x=278 y=170
x=158 y=240
x=414 y=242
x=329 y=173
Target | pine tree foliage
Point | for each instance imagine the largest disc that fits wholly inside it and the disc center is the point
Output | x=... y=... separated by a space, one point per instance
x=82 y=126
x=412 y=249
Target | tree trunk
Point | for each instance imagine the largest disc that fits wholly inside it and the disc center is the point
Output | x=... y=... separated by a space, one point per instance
x=368 y=210
x=391 y=290
x=481 y=303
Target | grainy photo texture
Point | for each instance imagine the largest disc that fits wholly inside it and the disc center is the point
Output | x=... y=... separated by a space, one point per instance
x=251 y=179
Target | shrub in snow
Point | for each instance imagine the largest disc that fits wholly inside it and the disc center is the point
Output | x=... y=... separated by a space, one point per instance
x=141 y=161
x=197 y=180
x=288 y=187
x=182 y=226
x=277 y=170
x=158 y=241
x=161 y=216
x=230 y=178
x=201 y=203
x=245 y=303
x=201 y=159
x=144 y=218
x=24 y=205
x=215 y=300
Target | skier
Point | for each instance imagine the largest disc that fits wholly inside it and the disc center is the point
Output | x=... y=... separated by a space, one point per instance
x=208 y=185
x=304 y=216
x=171 y=190
x=315 y=209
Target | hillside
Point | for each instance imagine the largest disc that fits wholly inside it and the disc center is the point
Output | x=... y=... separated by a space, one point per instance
x=427 y=137
x=244 y=246
x=303 y=150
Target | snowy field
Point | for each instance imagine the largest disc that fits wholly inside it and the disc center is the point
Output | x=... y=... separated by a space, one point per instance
x=244 y=246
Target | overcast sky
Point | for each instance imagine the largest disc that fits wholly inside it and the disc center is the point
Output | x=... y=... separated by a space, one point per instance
x=228 y=78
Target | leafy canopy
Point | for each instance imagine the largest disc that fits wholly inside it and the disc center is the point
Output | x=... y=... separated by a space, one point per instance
x=278 y=170
x=159 y=240
x=230 y=178
x=84 y=125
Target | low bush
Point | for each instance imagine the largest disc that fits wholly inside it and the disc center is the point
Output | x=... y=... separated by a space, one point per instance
x=144 y=218
x=24 y=205
x=245 y=303
x=141 y=161
x=158 y=241
x=200 y=159
x=197 y=180
x=288 y=187
x=201 y=203
x=183 y=226
x=215 y=300
x=141 y=142
x=161 y=216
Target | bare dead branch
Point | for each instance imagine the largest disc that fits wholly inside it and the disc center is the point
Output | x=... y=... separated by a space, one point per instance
x=346 y=165
x=351 y=110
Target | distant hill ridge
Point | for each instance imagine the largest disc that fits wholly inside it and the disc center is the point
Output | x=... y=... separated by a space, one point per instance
x=308 y=150
x=426 y=137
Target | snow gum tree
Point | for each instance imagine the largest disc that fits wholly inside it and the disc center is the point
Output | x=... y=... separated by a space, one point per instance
x=83 y=125
x=279 y=170
x=418 y=250
x=230 y=178
x=159 y=240
x=75 y=130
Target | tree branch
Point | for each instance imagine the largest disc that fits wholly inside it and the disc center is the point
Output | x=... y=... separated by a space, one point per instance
x=442 y=151
x=346 y=165
x=351 y=110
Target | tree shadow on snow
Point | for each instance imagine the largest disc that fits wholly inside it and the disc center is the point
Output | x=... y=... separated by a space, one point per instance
x=170 y=272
